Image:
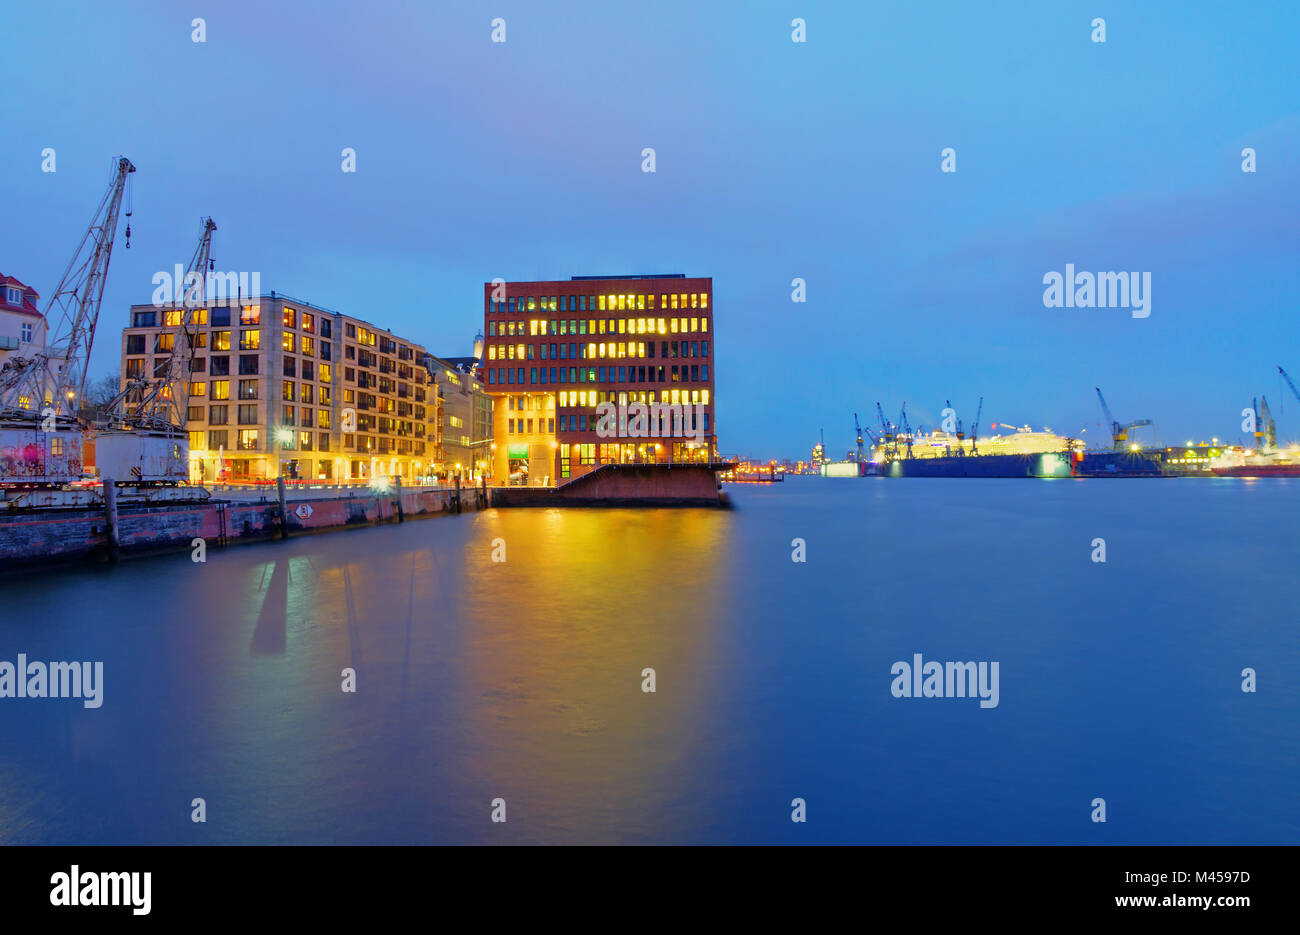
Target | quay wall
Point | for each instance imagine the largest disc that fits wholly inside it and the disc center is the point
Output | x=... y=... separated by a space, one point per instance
x=47 y=536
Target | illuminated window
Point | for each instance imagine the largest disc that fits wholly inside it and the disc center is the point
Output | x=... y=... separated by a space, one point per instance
x=250 y=315
x=325 y=374
x=220 y=389
x=640 y=301
x=672 y=323
x=250 y=340
x=704 y=324
x=200 y=317
x=663 y=329
x=198 y=389
x=695 y=324
x=308 y=322
x=172 y=319
x=673 y=299
x=695 y=300
x=704 y=300
x=308 y=345
x=290 y=318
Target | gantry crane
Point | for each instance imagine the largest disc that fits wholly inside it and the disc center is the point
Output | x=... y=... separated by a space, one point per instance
x=39 y=395
x=975 y=429
x=1118 y=432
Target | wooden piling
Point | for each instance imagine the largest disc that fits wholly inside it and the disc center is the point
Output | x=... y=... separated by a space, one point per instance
x=397 y=504
x=284 y=510
x=110 y=516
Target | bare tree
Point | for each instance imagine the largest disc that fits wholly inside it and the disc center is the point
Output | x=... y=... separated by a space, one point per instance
x=100 y=392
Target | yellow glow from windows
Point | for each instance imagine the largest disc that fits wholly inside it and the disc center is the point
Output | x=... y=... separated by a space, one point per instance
x=695 y=324
x=171 y=319
x=519 y=353
x=704 y=324
x=641 y=349
x=220 y=389
x=640 y=301
x=492 y=352
x=663 y=328
x=673 y=325
x=704 y=300
x=704 y=397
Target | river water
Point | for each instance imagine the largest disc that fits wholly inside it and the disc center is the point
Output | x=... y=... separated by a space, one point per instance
x=522 y=680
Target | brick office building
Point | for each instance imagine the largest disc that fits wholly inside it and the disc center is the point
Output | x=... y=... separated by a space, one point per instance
x=556 y=350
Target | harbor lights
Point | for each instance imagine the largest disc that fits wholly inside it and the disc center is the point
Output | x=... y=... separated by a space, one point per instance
x=283 y=439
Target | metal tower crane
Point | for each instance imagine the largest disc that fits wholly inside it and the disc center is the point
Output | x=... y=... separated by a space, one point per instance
x=1265 y=426
x=54 y=378
x=39 y=395
x=907 y=429
x=1286 y=376
x=887 y=439
x=975 y=429
x=858 y=426
x=161 y=403
x=1118 y=432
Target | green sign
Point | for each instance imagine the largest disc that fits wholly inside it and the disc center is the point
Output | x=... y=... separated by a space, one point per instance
x=517 y=451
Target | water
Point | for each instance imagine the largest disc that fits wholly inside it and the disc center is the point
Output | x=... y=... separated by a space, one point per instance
x=522 y=680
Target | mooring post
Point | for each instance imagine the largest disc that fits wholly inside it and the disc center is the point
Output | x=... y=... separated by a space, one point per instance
x=110 y=516
x=457 y=493
x=483 y=499
x=397 y=483
x=284 y=510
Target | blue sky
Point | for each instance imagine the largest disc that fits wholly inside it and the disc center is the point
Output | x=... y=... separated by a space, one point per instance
x=775 y=160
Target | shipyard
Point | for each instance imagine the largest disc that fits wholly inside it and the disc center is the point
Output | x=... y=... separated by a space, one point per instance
x=899 y=450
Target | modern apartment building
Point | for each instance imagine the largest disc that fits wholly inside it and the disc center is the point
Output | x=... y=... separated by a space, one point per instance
x=280 y=385
x=466 y=416
x=561 y=354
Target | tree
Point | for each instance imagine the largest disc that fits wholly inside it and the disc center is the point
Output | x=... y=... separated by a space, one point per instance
x=100 y=393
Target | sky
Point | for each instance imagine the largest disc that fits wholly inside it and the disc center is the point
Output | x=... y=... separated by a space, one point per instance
x=775 y=160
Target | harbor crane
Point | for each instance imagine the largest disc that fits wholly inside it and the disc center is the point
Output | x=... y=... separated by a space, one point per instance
x=887 y=439
x=56 y=376
x=1118 y=431
x=907 y=429
x=858 y=426
x=40 y=395
x=1286 y=376
x=975 y=429
x=1265 y=426
x=159 y=404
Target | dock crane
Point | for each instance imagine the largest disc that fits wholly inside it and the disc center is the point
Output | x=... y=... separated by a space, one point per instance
x=861 y=442
x=1265 y=426
x=39 y=395
x=975 y=429
x=1119 y=432
x=961 y=435
x=1286 y=376
x=907 y=429
x=161 y=405
x=887 y=438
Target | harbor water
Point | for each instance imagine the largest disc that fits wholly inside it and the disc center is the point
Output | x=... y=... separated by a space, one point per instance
x=523 y=680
